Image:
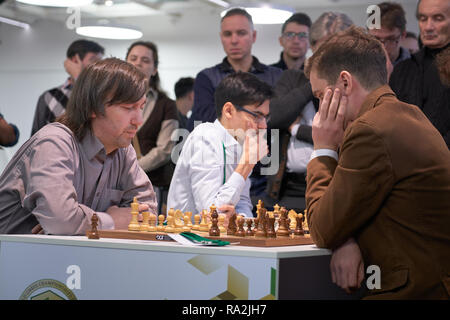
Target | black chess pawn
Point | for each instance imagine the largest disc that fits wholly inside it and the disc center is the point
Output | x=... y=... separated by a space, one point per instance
x=231 y=230
x=214 y=230
x=249 y=232
x=271 y=228
x=241 y=231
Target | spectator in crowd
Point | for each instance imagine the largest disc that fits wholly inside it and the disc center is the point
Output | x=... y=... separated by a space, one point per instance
x=392 y=31
x=295 y=42
x=417 y=80
x=153 y=142
x=184 y=94
x=410 y=42
x=52 y=103
x=292 y=111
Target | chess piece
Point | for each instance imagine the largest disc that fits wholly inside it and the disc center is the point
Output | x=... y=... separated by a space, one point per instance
x=262 y=225
x=152 y=223
x=276 y=210
x=93 y=233
x=178 y=219
x=161 y=227
x=204 y=224
x=144 y=227
x=222 y=218
x=189 y=223
x=293 y=222
x=170 y=228
x=282 y=224
x=196 y=225
x=214 y=229
x=231 y=230
x=271 y=227
x=299 y=229
x=134 y=223
x=249 y=232
x=305 y=224
x=186 y=227
x=240 y=232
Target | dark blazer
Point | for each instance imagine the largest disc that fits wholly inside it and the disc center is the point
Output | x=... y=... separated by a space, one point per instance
x=416 y=81
x=390 y=190
x=292 y=94
x=164 y=110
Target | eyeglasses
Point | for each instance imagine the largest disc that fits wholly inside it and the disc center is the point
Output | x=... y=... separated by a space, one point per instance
x=291 y=35
x=258 y=117
x=391 y=41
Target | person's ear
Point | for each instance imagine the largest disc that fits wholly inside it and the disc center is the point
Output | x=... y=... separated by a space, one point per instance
x=346 y=81
x=228 y=110
x=254 y=35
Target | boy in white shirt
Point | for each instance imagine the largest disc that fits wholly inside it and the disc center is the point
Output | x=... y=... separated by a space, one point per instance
x=217 y=158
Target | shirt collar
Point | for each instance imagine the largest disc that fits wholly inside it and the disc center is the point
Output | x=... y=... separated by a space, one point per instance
x=257 y=67
x=228 y=140
x=374 y=97
x=93 y=147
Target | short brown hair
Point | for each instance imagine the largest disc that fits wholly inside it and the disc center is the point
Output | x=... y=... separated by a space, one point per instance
x=352 y=50
x=106 y=82
x=392 y=16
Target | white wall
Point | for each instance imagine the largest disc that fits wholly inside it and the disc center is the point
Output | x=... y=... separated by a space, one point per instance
x=32 y=61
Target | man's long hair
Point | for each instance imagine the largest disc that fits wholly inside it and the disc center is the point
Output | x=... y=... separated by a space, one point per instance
x=106 y=82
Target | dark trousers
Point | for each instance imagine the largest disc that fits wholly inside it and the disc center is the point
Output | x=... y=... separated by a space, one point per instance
x=292 y=193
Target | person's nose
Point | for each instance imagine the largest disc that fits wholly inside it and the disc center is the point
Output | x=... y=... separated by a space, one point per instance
x=429 y=25
x=262 y=124
x=138 y=118
x=234 y=38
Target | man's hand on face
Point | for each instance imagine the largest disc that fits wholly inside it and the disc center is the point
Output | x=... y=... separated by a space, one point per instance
x=328 y=123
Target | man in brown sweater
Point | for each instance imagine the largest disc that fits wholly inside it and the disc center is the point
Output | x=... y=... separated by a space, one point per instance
x=387 y=191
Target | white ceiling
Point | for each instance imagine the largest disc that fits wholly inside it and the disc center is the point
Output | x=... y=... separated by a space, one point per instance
x=167 y=17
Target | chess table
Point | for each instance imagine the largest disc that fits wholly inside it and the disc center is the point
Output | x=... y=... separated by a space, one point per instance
x=75 y=267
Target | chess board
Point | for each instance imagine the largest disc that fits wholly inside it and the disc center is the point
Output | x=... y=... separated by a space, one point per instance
x=234 y=240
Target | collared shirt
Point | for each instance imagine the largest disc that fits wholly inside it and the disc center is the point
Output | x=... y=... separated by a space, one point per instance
x=60 y=182
x=51 y=104
x=299 y=151
x=204 y=174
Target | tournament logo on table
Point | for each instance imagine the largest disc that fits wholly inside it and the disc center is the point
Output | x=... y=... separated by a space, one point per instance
x=47 y=289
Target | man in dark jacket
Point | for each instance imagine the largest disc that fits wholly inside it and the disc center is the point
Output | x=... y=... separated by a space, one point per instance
x=416 y=80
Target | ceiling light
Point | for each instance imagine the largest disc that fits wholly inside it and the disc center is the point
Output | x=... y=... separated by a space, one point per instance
x=110 y=31
x=57 y=3
x=220 y=3
x=16 y=23
x=266 y=14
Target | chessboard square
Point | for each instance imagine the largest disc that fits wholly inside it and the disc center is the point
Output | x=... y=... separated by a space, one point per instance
x=206 y=264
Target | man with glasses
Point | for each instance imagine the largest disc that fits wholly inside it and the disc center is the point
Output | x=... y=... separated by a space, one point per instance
x=295 y=42
x=217 y=159
x=392 y=31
